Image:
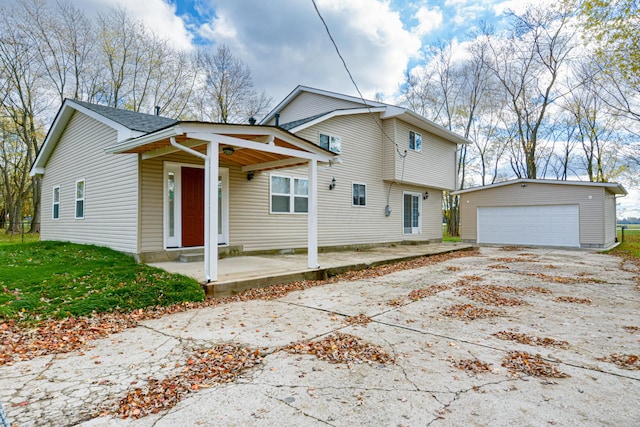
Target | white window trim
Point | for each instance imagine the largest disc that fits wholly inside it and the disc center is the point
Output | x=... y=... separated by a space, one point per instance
x=419 y=213
x=365 y=195
x=291 y=195
x=83 y=199
x=414 y=144
x=339 y=151
x=53 y=203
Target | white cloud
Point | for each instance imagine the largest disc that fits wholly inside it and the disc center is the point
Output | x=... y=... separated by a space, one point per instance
x=428 y=20
x=519 y=6
x=285 y=44
x=158 y=15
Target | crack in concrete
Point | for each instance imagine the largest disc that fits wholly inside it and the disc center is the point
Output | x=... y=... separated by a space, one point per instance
x=306 y=414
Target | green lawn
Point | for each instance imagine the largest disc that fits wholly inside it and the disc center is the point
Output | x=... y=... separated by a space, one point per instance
x=11 y=238
x=630 y=248
x=43 y=280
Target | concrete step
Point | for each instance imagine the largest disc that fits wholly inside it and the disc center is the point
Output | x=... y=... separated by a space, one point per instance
x=197 y=257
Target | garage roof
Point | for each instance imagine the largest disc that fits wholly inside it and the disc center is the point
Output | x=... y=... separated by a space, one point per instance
x=612 y=187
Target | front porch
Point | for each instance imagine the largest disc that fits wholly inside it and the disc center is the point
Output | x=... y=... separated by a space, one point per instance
x=236 y=274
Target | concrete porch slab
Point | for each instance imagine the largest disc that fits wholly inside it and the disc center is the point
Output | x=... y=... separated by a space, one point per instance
x=236 y=274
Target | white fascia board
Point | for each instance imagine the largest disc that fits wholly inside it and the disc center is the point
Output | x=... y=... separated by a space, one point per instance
x=143 y=140
x=329 y=94
x=336 y=113
x=612 y=186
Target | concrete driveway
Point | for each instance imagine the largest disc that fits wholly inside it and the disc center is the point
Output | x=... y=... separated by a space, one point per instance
x=577 y=310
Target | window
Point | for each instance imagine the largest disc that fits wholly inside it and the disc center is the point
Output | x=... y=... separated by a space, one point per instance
x=331 y=143
x=55 y=208
x=359 y=194
x=415 y=141
x=289 y=195
x=411 y=213
x=80 y=199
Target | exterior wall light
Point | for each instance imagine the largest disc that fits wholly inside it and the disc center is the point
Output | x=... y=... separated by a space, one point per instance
x=426 y=195
x=250 y=175
x=333 y=183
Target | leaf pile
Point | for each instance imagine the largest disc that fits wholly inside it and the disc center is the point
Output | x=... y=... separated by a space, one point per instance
x=563 y=280
x=341 y=348
x=625 y=361
x=529 y=364
x=453 y=268
x=473 y=278
x=520 y=258
x=499 y=266
x=575 y=300
x=24 y=342
x=472 y=365
x=360 y=319
x=470 y=312
x=510 y=248
x=631 y=329
x=430 y=291
x=487 y=295
x=220 y=364
x=530 y=340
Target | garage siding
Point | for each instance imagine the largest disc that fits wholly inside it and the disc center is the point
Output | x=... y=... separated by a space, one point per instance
x=589 y=199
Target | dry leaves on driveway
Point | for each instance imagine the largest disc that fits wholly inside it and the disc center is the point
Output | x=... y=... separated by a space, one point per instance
x=530 y=339
x=219 y=364
x=575 y=300
x=529 y=364
x=625 y=361
x=342 y=348
x=486 y=295
x=472 y=365
x=470 y=312
x=360 y=319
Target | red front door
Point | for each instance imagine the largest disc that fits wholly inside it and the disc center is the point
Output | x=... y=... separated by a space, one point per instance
x=192 y=207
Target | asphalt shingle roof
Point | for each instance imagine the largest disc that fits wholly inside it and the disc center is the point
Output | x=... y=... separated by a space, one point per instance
x=296 y=123
x=133 y=120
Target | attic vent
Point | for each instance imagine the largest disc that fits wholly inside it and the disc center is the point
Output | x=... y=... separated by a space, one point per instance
x=157 y=110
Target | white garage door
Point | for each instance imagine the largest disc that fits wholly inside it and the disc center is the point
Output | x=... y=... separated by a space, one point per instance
x=530 y=225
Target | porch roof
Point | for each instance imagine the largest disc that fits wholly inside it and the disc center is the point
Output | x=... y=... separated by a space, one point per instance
x=252 y=147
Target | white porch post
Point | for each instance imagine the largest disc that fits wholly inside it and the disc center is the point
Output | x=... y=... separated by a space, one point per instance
x=312 y=216
x=211 y=213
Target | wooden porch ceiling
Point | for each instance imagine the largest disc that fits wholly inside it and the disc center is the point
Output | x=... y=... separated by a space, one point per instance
x=240 y=156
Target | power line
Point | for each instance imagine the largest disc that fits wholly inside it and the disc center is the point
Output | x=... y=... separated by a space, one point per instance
x=344 y=64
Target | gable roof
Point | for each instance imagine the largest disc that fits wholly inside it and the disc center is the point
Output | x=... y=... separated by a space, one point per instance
x=386 y=111
x=128 y=124
x=612 y=187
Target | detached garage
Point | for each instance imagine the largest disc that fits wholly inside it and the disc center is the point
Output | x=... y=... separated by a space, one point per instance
x=532 y=212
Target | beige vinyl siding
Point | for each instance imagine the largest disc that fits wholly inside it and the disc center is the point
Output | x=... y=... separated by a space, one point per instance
x=434 y=165
x=152 y=198
x=609 y=219
x=389 y=152
x=310 y=104
x=339 y=223
x=591 y=209
x=111 y=183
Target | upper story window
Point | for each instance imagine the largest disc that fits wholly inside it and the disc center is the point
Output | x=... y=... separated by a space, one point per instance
x=331 y=143
x=289 y=194
x=55 y=207
x=415 y=141
x=80 y=199
x=359 y=194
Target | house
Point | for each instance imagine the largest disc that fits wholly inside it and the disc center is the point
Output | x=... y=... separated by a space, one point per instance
x=534 y=212
x=321 y=170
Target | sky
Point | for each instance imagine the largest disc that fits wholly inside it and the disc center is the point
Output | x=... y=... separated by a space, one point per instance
x=284 y=43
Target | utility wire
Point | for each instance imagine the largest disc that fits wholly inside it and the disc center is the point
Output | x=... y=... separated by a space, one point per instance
x=344 y=64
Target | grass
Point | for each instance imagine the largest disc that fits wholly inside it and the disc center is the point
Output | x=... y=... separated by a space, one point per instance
x=12 y=238
x=44 y=280
x=630 y=248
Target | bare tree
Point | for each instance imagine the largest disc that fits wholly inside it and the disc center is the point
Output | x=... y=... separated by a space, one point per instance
x=227 y=95
x=528 y=63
